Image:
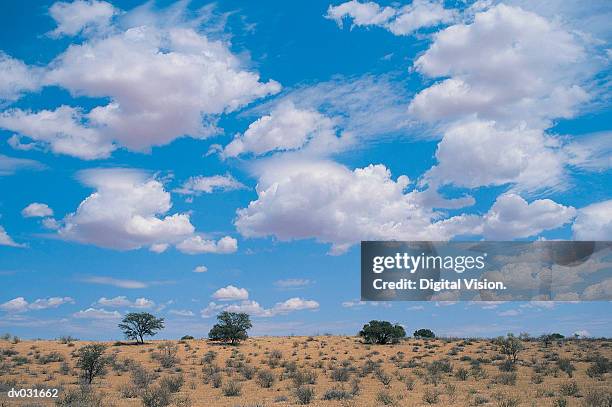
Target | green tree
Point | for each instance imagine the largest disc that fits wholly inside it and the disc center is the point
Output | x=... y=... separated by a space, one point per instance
x=137 y=325
x=424 y=333
x=231 y=327
x=509 y=346
x=91 y=361
x=382 y=332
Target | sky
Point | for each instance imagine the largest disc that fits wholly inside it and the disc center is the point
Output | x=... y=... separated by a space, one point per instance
x=185 y=158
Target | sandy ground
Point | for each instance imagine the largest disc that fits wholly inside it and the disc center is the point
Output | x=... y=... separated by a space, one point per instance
x=375 y=374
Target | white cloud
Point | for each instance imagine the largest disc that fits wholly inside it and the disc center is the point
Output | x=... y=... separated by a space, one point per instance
x=37 y=210
x=123 y=301
x=594 y=222
x=96 y=313
x=479 y=153
x=230 y=293
x=6 y=240
x=512 y=217
x=16 y=78
x=61 y=129
x=329 y=202
x=116 y=282
x=201 y=184
x=19 y=304
x=8 y=165
x=197 y=245
x=200 y=269
x=253 y=308
x=294 y=304
x=125 y=212
x=400 y=21
x=81 y=16
x=507 y=65
x=285 y=128
x=15 y=305
x=129 y=210
x=164 y=80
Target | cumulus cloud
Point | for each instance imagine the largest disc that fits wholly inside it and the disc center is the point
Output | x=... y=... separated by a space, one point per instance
x=253 y=308
x=478 y=153
x=19 y=304
x=129 y=210
x=207 y=185
x=594 y=222
x=123 y=301
x=181 y=312
x=164 y=80
x=198 y=245
x=126 y=212
x=16 y=78
x=332 y=204
x=230 y=293
x=96 y=313
x=285 y=128
x=81 y=16
x=37 y=210
x=599 y=291
x=6 y=240
x=507 y=65
x=200 y=269
x=512 y=217
x=403 y=20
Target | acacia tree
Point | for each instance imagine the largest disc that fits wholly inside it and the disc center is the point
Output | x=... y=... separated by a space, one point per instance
x=231 y=327
x=509 y=346
x=382 y=332
x=137 y=325
x=91 y=361
x=424 y=333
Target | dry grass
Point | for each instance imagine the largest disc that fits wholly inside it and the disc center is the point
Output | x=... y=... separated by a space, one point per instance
x=324 y=371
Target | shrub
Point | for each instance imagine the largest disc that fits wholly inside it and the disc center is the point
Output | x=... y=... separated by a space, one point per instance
x=187 y=338
x=597 y=398
x=340 y=374
x=84 y=396
x=599 y=367
x=385 y=398
x=172 y=383
x=382 y=332
x=141 y=377
x=569 y=388
x=302 y=377
x=504 y=400
x=91 y=361
x=137 y=325
x=337 y=394
x=265 y=378
x=274 y=358
x=216 y=380
x=304 y=394
x=431 y=396
x=167 y=355
x=566 y=366
x=232 y=389
x=461 y=374
x=232 y=327
x=508 y=379
x=424 y=333
x=156 y=396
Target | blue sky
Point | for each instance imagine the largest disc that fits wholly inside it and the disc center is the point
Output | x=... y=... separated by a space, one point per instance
x=139 y=142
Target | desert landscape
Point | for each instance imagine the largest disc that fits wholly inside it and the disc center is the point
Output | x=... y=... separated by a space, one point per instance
x=319 y=371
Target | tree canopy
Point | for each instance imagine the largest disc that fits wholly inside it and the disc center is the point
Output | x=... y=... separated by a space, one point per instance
x=424 y=333
x=137 y=325
x=231 y=327
x=382 y=332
